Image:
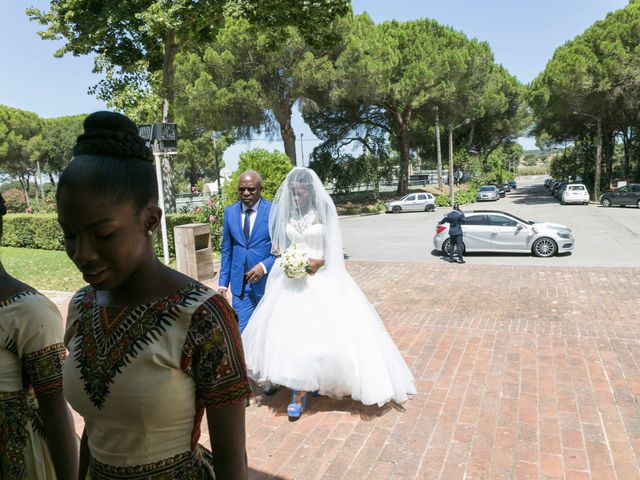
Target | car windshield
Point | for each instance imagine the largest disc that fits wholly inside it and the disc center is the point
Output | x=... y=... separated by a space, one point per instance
x=487 y=189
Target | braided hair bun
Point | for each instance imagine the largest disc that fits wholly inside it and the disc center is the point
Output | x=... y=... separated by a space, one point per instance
x=113 y=134
x=112 y=161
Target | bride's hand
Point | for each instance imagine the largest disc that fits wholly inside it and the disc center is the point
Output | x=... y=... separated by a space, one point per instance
x=315 y=264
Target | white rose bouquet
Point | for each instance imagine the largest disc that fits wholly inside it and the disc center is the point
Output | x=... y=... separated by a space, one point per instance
x=295 y=261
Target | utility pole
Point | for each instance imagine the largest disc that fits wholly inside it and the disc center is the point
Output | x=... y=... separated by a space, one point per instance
x=301 y=151
x=438 y=149
x=214 y=137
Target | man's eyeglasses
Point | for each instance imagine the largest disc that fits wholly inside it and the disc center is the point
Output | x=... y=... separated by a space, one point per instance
x=249 y=189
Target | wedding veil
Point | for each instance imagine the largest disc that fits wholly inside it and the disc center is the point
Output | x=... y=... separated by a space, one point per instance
x=300 y=196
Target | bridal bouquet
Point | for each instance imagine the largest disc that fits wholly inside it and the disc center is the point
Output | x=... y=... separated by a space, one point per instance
x=295 y=261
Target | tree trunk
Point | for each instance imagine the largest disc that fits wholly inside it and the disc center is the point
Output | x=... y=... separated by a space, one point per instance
x=283 y=117
x=402 y=122
x=403 y=178
x=168 y=73
x=52 y=180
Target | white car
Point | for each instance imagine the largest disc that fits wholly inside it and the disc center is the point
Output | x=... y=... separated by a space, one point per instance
x=575 y=193
x=414 y=202
x=495 y=231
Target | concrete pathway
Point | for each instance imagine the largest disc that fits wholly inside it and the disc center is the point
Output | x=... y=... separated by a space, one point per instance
x=522 y=372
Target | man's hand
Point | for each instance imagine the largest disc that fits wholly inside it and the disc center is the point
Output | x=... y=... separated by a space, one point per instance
x=224 y=292
x=254 y=274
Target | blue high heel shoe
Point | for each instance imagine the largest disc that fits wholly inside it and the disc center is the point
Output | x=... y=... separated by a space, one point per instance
x=294 y=410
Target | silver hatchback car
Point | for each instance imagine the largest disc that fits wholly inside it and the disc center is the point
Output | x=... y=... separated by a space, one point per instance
x=487 y=192
x=495 y=231
x=414 y=202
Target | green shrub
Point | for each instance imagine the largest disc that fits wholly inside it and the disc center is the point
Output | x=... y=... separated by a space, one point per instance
x=462 y=197
x=40 y=231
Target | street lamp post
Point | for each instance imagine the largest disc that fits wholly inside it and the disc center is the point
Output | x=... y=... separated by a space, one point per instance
x=162 y=139
x=450 y=176
x=301 y=151
x=596 y=181
x=438 y=150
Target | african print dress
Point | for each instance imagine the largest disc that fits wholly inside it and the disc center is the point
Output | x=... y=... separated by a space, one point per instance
x=142 y=376
x=31 y=358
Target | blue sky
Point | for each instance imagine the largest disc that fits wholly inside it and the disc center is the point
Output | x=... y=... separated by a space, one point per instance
x=523 y=35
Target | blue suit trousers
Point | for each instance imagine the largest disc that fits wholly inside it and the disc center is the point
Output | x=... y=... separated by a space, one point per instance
x=244 y=304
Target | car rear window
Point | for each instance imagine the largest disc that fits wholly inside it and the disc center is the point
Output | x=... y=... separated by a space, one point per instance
x=487 y=189
x=575 y=187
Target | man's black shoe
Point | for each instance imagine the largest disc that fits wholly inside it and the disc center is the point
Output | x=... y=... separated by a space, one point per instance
x=461 y=261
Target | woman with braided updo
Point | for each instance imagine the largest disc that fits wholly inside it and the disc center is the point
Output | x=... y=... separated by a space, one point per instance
x=37 y=438
x=150 y=349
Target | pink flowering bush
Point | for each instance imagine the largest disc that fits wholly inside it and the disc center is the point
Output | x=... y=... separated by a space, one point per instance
x=212 y=212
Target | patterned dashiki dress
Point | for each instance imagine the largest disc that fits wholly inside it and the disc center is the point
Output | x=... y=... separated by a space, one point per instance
x=142 y=376
x=31 y=358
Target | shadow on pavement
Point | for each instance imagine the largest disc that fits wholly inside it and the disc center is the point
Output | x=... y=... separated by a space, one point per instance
x=445 y=259
x=278 y=404
x=258 y=475
x=533 y=195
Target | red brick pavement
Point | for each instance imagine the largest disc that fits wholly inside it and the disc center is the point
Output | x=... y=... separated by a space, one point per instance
x=522 y=373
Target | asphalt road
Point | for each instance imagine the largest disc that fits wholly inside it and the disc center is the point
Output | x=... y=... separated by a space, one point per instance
x=604 y=236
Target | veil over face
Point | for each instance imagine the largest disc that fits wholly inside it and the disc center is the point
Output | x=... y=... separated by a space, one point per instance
x=302 y=196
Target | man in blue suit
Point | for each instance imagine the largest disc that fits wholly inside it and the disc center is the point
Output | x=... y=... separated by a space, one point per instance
x=455 y=219
x=246 y=257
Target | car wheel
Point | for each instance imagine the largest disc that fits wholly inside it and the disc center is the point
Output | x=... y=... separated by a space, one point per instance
x=544 y=247
x=447 y=244
x=430 y=208
x=606 y=202
x=638 y=204
x=396 y=209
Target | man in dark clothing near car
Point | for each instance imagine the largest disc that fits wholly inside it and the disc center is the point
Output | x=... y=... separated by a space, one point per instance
x=455 y=219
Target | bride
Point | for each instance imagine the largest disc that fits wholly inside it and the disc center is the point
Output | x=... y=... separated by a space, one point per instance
x=319 y=333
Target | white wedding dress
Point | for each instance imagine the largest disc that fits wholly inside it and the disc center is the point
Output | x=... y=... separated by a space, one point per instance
x=321 y=333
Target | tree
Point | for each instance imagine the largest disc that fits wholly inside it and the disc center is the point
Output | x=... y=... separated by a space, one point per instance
x=261 y=72
x=136 y=41
x=197 y=156
x=58 y=138
x=593 y=81
x=272 y=166
x=390 y=76
x=20 y=135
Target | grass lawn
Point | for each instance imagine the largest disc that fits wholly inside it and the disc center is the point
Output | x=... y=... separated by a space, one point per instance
x=42 y=269
x=47 y=269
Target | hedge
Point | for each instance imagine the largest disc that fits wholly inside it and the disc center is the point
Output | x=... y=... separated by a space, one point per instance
x=42 y=231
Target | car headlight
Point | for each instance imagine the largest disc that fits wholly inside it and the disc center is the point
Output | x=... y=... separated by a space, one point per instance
x=564 y=234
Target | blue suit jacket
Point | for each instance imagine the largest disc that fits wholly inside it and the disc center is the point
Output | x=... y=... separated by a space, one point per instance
x=455 y=219
x=236 y=251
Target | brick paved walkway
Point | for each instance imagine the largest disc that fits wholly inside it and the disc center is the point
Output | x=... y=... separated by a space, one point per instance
x=522 y=372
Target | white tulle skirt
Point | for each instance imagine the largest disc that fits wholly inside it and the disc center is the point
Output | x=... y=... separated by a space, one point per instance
x=322 y=334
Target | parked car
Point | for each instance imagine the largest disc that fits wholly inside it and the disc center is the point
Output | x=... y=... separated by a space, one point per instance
x=575 y=193
x=513 y=184
x=423 y=202
x=558 y=193
x=487 y=192
x=496 y=231
x=626 y=195
x=501 y=191
x=507 y=187
x=557 y=186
